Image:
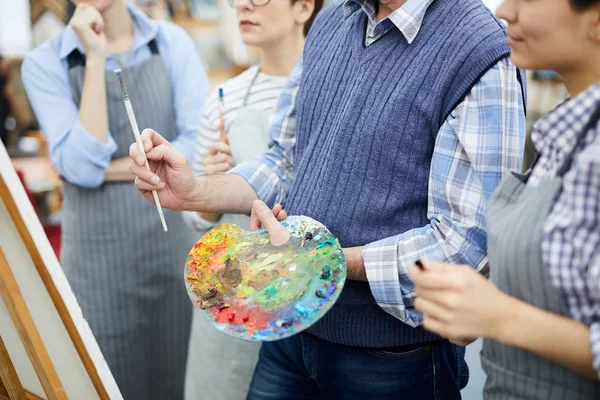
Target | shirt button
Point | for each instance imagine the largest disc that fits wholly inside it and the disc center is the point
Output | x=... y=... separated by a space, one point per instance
x=561 y=142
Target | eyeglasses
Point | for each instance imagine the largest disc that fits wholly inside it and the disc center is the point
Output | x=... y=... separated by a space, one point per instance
x=255 y=3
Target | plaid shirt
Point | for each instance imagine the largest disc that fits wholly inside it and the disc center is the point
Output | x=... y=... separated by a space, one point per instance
x=407 y=19
x=481 y=140
x=571 y=234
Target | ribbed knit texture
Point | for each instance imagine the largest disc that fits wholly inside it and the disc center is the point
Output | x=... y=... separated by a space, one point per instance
x=367 y=122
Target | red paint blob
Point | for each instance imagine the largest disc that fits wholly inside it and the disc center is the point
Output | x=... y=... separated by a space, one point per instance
x=253 y=319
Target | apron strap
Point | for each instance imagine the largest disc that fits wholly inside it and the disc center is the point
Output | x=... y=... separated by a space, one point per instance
x=537 y=157
x=250 y=86
x=592 y=122
x=153 y=46
x=76 y=58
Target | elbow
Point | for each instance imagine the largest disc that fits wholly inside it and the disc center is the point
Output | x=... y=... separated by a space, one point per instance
x=77 y=173
x=83 y=180
x=89 y=184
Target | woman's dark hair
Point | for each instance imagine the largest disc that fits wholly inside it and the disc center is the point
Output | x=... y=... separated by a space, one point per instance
x=583 y=5
x=318 y=6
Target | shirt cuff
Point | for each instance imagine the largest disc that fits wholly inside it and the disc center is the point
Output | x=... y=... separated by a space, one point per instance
x=381 y=265
x=595 y=346
x=83 y=159
x=194 y=219
x=263 y=180
x=90 y=147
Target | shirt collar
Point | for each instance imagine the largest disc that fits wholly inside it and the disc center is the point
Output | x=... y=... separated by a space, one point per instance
x=566 y=120
x=408 y=18
x=145 y=29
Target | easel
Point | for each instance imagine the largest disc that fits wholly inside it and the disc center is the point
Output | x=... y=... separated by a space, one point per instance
x=19 y=313
x=10 y=385
x=49 y=350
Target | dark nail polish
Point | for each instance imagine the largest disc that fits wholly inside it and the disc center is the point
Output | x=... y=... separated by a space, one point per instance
x=419 y=264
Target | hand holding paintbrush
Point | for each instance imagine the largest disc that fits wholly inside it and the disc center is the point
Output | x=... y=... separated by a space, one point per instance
x=138 y=139
x=222 y=133
x=435 y=281
x=219 y=158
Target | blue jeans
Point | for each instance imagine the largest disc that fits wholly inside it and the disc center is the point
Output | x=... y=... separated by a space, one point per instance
x=305 y=367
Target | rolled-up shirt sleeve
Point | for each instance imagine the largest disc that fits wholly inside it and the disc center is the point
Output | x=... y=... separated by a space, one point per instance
x=80 y=157
x=595 y=342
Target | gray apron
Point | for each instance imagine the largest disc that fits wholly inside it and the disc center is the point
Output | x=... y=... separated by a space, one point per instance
x=125 y=271
x=248 y=137
x=231 y=360
x=516 y=215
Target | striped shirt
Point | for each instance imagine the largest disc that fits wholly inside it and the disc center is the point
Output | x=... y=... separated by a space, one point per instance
x=481 y=140
x=571 y=233
x=262 y=96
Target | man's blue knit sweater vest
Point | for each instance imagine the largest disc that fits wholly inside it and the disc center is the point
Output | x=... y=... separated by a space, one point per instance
x=367 y=119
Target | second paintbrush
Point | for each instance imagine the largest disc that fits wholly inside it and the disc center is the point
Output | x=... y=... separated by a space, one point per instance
x=222 y=133
x=138 y=140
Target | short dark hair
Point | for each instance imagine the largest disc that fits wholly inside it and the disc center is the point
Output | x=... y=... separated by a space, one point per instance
x=583 y=5
x=318 y=6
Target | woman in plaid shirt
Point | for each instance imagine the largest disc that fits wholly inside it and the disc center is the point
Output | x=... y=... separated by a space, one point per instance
x=540 y=311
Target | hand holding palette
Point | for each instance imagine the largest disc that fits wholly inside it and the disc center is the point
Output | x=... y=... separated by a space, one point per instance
x=255 y=291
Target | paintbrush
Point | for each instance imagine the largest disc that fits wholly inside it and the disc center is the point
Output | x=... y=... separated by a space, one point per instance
x=138 y=140
x=223 y=136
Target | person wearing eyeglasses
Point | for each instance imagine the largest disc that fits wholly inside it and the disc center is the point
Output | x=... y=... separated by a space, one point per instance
x=124 y=270
x=278 y=28
x=539 y=312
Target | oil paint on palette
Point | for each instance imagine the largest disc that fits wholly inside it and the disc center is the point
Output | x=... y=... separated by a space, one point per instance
x=255 y=291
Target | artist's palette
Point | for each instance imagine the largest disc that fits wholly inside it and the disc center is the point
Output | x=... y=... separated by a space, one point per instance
x=255 y=291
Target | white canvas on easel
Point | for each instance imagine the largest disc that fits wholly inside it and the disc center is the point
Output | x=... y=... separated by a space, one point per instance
x=66 y=345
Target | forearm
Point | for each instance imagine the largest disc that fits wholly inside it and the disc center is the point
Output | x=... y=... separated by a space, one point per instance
x=229 y=193
x=118 y=171
x=557 y=338
x=354 y=264
x=93 y=115
x=212 y=217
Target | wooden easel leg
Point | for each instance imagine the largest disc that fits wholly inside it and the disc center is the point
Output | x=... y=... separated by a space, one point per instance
x=52 y=387
x=10 y=385
x=30 y=337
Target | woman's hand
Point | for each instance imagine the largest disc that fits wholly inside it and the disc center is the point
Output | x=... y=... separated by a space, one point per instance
x=218 y=159
x=460 y=304
x=89 y=27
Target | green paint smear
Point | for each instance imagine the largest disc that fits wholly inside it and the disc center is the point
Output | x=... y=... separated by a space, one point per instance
x=274 y=294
